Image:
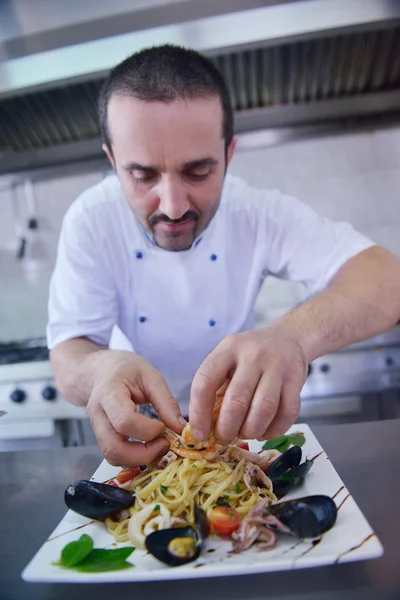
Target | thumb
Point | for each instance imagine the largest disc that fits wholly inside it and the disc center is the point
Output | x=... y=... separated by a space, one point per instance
x=162 y=399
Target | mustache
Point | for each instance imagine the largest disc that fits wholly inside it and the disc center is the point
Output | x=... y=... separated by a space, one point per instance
x=190 y=215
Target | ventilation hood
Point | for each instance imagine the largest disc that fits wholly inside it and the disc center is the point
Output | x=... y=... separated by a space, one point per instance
x=288 y=64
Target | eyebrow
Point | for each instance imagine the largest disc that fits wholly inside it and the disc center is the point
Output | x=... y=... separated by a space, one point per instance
x=192 y=164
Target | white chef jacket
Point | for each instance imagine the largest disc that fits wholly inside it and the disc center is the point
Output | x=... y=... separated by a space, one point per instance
x=175 y=307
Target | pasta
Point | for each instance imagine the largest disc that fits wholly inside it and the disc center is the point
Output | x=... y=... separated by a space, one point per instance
x=192 y=472
x=185 y=482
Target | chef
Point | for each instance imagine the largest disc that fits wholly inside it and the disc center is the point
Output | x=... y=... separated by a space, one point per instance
x=172 y=251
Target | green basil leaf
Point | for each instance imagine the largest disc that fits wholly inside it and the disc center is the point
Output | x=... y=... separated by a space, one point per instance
x=238 y=487
x=273 y=444
x=87 y=566
x=222 y=501
x=297 y=439
x=75 y=552
x=108 y=555
x=283 y=446
x=163 y=489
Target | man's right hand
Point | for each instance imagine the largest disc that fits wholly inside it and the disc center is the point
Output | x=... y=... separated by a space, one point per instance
x=123 y=380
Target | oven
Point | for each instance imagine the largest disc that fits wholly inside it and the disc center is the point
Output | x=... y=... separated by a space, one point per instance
x=34 y=414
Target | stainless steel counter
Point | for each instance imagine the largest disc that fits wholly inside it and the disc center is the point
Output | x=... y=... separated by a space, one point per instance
x=365 y=455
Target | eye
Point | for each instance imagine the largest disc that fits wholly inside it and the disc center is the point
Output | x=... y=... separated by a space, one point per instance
x=198 y=173
x=143 y=176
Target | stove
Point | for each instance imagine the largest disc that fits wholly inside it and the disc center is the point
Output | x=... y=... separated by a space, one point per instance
x=28 y=393
x=33 y=350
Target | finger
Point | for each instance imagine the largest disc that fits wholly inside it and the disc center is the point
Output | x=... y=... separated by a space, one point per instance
x=263 y=407
x=209 y=378
x=121 y=413
x=287 y=413
x=163 y=401
x=236 y=403
x=118 y=451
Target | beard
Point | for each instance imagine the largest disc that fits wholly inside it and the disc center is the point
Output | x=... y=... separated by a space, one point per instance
x=175 y=240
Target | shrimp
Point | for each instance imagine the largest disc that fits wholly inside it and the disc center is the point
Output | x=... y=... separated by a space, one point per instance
x=186 y=444
x=209 y=453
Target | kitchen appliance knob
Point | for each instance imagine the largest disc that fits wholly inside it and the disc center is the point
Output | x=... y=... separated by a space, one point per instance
x=49 y=393
x=18 y=396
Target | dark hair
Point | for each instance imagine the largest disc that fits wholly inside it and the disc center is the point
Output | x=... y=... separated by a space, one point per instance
x=163 y=74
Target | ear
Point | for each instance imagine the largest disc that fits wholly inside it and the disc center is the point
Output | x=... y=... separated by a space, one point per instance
x=109 y=155
x=231 y=149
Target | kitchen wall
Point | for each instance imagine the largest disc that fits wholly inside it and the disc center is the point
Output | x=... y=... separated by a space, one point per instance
x=349 y=177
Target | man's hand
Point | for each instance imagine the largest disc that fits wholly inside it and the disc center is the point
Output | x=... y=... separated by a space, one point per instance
x=121 y=381
x=267 y=369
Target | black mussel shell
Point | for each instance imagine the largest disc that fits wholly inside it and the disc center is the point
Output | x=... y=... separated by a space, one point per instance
x=179 y=545
x=291 y=478
x=96 y=500
x=159 y=544
x=306 y=517
x=287 y=460
x=202 y=523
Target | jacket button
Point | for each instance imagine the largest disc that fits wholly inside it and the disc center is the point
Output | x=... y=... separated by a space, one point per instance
x=139 y=255
x=211 y=322
x=213 y=257
x=142 y=319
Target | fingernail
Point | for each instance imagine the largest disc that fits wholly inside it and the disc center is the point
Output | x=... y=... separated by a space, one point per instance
x=182 y=421
x=199 y=435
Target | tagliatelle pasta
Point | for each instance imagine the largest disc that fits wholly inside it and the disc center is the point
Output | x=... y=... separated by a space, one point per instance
x=185 y=482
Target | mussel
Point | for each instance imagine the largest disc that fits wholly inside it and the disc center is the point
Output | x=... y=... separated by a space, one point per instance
x=286 y=472
x=97 y=500
x=307 y=517
x=179 y=545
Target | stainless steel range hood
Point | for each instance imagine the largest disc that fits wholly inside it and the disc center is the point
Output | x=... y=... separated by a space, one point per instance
x=286 y=63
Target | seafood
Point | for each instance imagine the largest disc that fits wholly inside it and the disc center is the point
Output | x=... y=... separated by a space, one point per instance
x=307 y=517
x=252 y=472
x=286 y=472
x=253 y=529
x=166 y=460
x=186 y=444
x=284 y=462
x=235 y=454
x=149 y=519
x=97 y=500
x=179 y=545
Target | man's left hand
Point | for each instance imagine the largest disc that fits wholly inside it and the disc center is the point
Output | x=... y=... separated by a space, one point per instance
x=267 y=369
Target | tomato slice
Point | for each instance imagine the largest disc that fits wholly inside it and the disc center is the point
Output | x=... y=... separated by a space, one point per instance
x=127 y=474
x=244 y=446
x=225 y=520
x=111 y=482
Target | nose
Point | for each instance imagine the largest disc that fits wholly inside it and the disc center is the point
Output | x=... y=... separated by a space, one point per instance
x=173 y=200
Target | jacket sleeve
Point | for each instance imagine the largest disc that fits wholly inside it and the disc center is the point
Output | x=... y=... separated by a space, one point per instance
x=304 y=247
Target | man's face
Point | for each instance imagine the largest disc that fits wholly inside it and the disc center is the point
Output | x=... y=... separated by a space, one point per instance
x=170 y=159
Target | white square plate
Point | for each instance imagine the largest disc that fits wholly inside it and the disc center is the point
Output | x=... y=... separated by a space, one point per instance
x=350 y=539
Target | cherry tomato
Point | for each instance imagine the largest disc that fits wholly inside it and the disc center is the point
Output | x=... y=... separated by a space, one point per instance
x=111 y=482
x=127 y=474
x=244 y=446
x=225 y=520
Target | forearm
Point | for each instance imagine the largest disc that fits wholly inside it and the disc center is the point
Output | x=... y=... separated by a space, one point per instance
x=75 y=363
x=362 y=300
